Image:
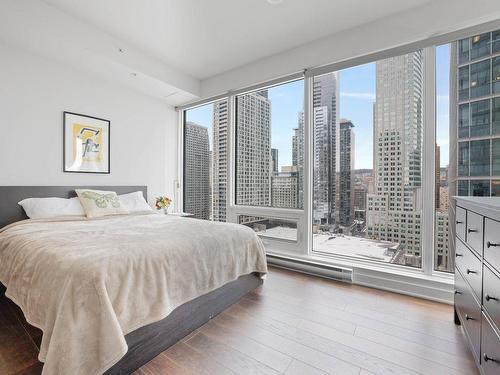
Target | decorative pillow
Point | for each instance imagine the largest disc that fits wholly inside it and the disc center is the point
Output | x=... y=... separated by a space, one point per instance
x=135 y=202
x=97 y=203
x=45 y=208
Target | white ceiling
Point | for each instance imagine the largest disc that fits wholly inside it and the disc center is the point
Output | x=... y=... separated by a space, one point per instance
x=204 y=38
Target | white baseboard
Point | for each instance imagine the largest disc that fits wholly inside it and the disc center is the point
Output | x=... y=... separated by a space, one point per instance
x=430 y=288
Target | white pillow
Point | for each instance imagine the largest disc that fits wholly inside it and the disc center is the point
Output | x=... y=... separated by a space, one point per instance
x=97 y=203
x=134 y=202
x=44 y=208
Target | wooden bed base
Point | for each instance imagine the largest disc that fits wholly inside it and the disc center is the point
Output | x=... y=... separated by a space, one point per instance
x=149 y=341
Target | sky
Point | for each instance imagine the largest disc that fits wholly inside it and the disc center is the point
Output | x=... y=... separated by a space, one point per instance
x=357 y=94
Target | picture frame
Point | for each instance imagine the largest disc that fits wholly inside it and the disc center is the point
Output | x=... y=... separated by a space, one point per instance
x=86 y=144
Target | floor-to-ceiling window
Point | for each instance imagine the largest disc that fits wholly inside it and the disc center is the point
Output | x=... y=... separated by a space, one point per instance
x=355 y=164
x=367 y=157
x=269 y=161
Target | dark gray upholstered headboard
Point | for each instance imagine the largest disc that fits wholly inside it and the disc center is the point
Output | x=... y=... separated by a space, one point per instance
x=11 y=212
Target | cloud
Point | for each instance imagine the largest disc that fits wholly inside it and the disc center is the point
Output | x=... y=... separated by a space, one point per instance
x=358 y=95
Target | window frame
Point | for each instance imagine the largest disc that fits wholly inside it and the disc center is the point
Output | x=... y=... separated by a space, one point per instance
x=303 y=248
x=234 y=210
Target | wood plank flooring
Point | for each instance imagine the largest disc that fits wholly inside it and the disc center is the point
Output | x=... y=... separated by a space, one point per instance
x=300 y=325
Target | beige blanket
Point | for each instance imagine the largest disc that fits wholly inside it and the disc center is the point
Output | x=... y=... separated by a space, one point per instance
x=87 y=283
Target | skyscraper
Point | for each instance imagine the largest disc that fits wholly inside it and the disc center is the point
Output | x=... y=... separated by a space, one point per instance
x=196 y=169
x=360 y=192
x=474 y=168
x=394 y=211
x=298 y=157
x=253 y=145
x=219 y=161
x=284 y=188
x=346 y=174
x=475 y=115
x=325 y=158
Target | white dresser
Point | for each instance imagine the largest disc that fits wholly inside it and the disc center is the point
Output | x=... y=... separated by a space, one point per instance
x=477 y=278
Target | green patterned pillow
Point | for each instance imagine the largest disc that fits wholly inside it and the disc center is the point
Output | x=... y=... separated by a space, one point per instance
x=97 y=203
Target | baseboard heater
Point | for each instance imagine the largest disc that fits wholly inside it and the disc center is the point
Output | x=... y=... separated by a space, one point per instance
x=311 y=267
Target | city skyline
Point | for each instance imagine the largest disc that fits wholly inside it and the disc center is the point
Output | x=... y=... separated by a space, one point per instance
x=357 y=90
x=378 y=201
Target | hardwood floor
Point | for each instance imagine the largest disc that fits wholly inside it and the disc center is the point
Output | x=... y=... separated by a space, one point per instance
x=300 y=325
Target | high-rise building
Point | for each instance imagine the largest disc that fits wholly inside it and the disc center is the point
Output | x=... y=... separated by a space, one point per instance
x=346 y=173
x=475 y=115
x=196 y=170
x=298 y=157
x=444 y=197
x=474 y=168
x=219 y=160
x=359 y=202
x=360 y=197
x=254 y=162
x=253 y=145
x=442 y=251
x=274 y=160
x=326 y=145
x=284 y=188
x=394 y=210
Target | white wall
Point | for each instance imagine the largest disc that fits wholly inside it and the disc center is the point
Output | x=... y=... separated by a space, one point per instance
x=43 y=29
x=35 y=91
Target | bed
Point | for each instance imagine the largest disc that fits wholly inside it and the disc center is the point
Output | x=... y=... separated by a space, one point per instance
x=122 y=305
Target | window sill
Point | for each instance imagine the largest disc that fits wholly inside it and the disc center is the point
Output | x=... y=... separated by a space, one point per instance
x=437 y=287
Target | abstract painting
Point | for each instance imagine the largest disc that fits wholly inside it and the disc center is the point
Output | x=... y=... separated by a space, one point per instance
x=86 y=144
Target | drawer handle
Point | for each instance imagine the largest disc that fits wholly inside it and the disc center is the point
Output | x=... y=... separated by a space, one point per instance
x=471 y=230
x=459 y=222
x=490 y=298
x=470 y=271
x=486 y=358
x=459 y=255
x=458 y=292
x=491 y=244
x=467 y=317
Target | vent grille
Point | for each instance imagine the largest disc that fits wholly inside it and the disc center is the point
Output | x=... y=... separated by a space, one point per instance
x=311 y=268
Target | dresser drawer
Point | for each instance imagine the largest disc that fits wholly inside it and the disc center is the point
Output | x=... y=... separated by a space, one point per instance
x=469 y=312
x=491 y=295
x=492 y=242
x=460 y=223
x=474 y=233
x=470 y=267
x=490 y=349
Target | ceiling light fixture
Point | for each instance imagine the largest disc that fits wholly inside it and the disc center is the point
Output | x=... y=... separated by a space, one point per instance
x=133 y=74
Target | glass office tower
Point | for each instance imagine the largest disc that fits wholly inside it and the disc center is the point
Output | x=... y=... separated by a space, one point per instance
x=475 y=114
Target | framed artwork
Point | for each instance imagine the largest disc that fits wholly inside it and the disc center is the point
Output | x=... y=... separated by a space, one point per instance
x=86 y=146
